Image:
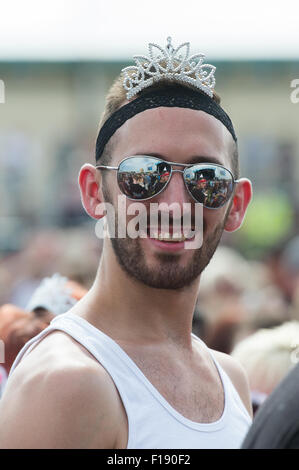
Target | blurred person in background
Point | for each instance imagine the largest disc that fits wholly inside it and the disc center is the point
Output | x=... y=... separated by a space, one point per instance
x=25 y=269
x=17 y=326
x=236 y=302
x=267 y=356
x=122 y=360
x=220 y=295
x=283 y=267
x=290 y=263
x=71 y=252
x=54 y=296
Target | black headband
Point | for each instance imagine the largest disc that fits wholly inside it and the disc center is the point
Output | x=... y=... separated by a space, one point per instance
x=169 y=97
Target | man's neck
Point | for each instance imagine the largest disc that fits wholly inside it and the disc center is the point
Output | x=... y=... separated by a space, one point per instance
x=126 y=309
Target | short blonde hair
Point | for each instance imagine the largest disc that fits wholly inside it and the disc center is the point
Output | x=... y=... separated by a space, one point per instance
x=268 y=355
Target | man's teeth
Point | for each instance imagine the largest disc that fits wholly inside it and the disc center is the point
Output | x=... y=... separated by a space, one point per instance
x=166 y=236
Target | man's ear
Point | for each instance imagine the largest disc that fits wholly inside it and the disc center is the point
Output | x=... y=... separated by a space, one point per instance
x=241 y=199
x=90 y=188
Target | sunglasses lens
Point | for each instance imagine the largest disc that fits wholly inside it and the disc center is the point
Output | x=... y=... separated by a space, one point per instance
x=142 y=177
x=210 y=185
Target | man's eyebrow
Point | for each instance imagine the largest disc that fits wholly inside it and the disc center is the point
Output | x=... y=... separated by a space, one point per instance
x=201 y=159
x=192 y=160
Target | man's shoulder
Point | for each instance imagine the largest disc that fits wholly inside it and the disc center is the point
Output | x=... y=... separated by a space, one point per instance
x=63 y=367
x=237 y=375
x=70 y=394
x=57 y=354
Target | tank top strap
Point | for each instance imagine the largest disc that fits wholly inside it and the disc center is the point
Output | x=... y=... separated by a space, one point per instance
x=79 y=329
x=231 y=394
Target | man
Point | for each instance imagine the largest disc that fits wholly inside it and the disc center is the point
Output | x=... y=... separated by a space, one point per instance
x=121 y=368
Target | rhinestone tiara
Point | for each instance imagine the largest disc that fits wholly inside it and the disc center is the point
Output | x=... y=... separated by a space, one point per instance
x=170 y=63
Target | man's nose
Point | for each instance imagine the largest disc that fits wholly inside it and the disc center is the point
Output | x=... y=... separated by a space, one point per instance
x=176 y=192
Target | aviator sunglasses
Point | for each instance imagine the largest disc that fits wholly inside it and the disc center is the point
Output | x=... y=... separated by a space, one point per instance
x=143 y=177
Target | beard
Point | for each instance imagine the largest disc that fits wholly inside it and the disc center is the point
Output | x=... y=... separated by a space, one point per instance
x=167 y=273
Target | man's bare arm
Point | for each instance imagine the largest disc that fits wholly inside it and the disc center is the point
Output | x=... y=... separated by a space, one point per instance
x=64 y=406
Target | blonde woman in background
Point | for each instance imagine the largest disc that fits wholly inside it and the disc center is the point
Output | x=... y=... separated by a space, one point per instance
x=267 y=356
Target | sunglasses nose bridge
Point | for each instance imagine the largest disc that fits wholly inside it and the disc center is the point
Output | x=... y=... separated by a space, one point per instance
x=175 y=190
x=183 y=178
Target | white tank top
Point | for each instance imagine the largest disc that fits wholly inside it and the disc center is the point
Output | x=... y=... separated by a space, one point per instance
x=152 y=422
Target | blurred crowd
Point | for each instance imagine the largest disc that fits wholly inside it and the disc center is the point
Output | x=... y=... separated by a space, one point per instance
x=52 y=271
x=250 y=309
x=73 y=252
x=246 y=308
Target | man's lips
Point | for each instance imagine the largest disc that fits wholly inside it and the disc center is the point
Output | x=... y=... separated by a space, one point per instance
x=168 y=246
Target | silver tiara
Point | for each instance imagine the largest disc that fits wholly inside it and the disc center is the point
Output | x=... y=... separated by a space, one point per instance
x=170 y=63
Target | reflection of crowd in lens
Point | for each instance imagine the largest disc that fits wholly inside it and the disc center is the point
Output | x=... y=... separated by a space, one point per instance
x=210 y=193
x=142 y=184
